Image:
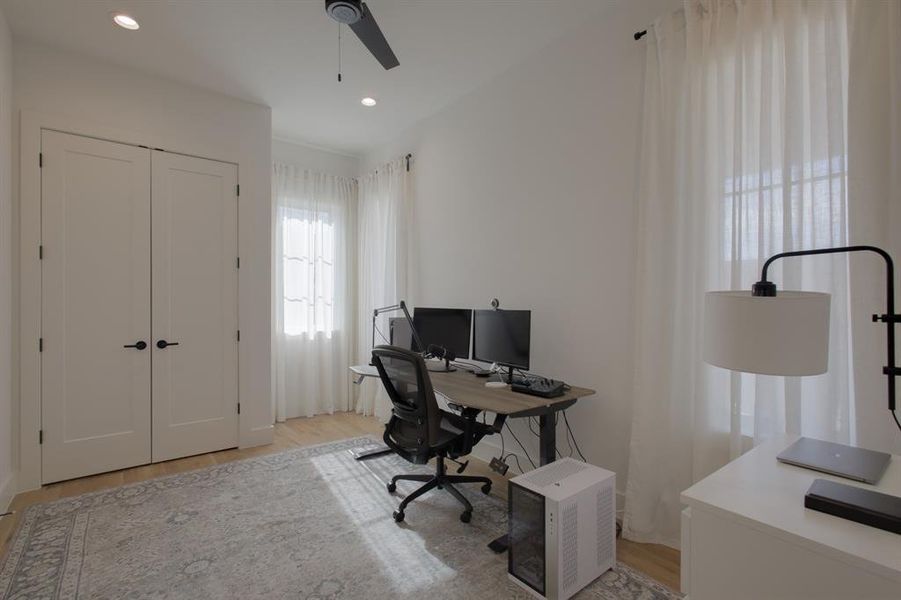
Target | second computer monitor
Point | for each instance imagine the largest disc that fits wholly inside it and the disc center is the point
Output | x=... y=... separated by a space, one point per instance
x=502 y=337
x=445 y=327
x=400 y=334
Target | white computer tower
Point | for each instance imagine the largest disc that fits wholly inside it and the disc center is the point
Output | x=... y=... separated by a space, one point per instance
x=562 y=528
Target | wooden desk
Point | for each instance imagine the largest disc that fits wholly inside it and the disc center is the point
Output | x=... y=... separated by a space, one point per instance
x=463 y=388
x=466 y=389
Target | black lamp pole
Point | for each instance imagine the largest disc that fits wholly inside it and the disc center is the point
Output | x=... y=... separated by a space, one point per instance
x=399 y=306
x=767 y=288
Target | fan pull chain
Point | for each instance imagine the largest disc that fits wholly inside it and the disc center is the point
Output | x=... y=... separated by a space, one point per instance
x=339 y=52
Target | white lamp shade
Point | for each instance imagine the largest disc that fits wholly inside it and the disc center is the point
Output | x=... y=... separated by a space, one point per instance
x=786 y=334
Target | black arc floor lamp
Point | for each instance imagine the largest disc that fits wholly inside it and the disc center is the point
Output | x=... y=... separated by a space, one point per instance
x=786 y=333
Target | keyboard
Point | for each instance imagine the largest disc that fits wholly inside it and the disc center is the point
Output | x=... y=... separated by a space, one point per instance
x=545 y=388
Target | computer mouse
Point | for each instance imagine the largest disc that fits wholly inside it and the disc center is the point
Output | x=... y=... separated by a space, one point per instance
x=495 y=384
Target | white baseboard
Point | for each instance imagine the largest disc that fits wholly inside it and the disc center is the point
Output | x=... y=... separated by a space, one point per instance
x=8 y=491
x=258 y=436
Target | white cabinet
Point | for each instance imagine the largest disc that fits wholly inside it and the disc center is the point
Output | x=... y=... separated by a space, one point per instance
x=139 y=306
x=746 y=534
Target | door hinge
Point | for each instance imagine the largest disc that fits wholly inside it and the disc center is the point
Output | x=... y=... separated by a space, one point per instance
x=40 y=436
x=238 y=262
x=239 y=335
x=41 y=252
x=40 y=160
x=239 y=408
x=40 y=344
x=238 y=189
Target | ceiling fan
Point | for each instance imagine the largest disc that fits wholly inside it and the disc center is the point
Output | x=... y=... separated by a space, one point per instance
x=356 y=14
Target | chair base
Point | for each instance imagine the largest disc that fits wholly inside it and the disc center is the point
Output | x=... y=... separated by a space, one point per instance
x=440 y=480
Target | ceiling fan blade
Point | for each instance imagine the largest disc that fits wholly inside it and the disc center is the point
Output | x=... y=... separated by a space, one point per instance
x=369 y=33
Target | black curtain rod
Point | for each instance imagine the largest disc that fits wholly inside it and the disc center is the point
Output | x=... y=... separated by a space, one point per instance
x=640 y=34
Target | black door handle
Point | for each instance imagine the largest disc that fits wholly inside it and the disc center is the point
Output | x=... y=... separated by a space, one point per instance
x=163 y=343
x=140 y=345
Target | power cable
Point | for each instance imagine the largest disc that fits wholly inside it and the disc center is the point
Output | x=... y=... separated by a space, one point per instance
x=569 y=429
x=532 y=462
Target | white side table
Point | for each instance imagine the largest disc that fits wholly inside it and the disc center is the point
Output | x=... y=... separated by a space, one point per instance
x=746 y=534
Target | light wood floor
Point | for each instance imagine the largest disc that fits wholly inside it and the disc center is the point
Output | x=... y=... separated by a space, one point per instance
x=659 y=562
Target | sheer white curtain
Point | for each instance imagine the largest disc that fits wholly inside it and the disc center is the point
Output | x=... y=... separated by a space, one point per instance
x=743 y=155
x=315 y=255
x=386 y=263
x=874 y=184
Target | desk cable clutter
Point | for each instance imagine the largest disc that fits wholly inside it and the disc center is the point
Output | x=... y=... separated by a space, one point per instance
x=500 y=464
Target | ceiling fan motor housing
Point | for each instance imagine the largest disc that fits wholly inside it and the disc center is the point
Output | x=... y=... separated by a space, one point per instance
x=344 y=11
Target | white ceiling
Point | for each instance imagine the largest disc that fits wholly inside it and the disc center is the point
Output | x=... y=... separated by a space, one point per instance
x=283 y=53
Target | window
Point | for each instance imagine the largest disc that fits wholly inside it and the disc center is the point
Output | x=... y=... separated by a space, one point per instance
x=308 y=269
x=757 y=211
x=754 y=210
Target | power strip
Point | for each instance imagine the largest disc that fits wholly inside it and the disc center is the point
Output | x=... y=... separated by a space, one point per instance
x=499 y=466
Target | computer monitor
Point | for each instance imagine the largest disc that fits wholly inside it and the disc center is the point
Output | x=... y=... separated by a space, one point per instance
x=445 y=327
x=502 y=337
x=399 y=332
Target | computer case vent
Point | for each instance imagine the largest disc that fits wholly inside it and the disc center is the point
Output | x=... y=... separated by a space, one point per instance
x=570 y=522
x=606 y=506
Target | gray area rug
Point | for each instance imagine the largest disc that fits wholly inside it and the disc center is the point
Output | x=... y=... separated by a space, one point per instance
x=309 y=524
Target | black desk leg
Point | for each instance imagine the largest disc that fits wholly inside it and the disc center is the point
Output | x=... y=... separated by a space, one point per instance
x=547 y=438
x=547 y=443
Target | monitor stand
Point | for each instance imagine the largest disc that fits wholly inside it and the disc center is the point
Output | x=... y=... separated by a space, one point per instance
x=441 y=366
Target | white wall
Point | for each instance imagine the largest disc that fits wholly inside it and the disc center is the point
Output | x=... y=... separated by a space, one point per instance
x=7 y=437
x=525 y=191
x=121 y=103
x=315 y=159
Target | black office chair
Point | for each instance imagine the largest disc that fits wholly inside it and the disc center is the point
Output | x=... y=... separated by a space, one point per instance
x=419 y=430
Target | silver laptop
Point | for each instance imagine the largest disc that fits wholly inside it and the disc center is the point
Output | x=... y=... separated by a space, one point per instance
x=858 y=464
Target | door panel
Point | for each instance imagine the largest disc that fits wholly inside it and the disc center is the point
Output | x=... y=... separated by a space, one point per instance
x=195 y=304
x=95 y=220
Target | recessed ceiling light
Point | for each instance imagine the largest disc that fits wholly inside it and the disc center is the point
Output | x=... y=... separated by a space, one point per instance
x=367 y=101
x=125 y=21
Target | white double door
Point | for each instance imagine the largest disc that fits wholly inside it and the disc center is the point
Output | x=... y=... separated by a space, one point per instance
x=139 y=349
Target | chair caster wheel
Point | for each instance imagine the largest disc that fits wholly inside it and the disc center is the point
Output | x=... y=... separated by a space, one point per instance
x=398 y=516
x=392 y=487
x=486 y=489
x=466 y=517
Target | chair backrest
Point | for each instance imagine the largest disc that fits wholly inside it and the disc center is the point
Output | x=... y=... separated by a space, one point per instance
x=416 y=420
